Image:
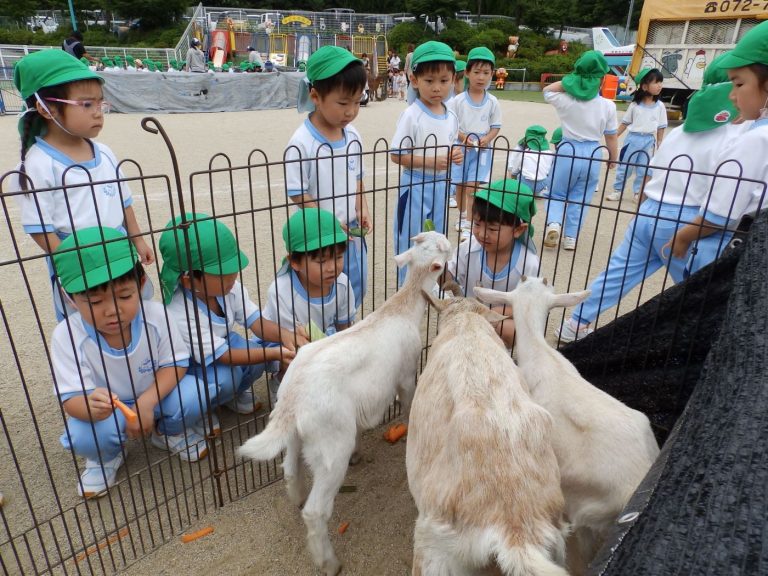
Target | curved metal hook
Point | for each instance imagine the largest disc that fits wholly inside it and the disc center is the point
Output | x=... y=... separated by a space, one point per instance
x=153 y=126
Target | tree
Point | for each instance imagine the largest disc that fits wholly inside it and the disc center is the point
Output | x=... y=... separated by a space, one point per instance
x=443 y=8
x=18 y=10
x=153 y=14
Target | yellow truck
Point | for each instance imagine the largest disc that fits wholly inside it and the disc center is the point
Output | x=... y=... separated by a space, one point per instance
x=680 y=37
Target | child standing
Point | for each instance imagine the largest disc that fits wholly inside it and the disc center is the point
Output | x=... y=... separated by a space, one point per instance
x=64 y=111
x=586 y=118
x=745 y=156
x=311 y=286
x=402 y=86
x=672 y=199
x=330 y=173
x=645 y=121
x=531 y=159
x=118 y=346
x=479 y=117
x=201 y=265
x=498 y=253
x=422 y=145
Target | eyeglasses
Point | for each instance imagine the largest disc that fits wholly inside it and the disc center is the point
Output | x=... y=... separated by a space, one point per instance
x=87 y=105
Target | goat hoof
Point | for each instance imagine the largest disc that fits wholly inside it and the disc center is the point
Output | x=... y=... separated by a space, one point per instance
x=332 y=567
x=355 y=459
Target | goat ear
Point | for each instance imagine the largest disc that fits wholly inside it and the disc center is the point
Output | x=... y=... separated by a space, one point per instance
x=491 y=296
x=403 y=259
x=436 y=266
x=438 y=304
x=569 y=299
x=419 y=238
x=494 y=317
x=453 y=287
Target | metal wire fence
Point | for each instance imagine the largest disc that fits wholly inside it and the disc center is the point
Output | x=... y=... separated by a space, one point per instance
x=46 y=527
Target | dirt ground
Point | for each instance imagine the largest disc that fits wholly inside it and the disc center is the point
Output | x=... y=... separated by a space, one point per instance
x=260 y=533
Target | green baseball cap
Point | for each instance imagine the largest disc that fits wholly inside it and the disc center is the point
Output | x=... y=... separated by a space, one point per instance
x=91 y=257
x=588 y=71
x=310 y=229
x=48 y=68
x=328 y=61
x=535 y=138
x=432 y=51
x=557 y=135
x=511 y=196
x=715 y=73
x=481 y=53
x=709 y=108
x=751 y=49
x=640 y=75
x=461 y=65
x=212 y=246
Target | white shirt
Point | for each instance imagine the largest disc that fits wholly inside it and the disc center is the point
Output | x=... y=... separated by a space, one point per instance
x=289 y=304
x=238 y=310
x=645 y=119
x=329 y=172
x=84 y=361
x=584 y=120
x=476 y=118
x=687 y=151
x=744 y=156
x=533 y=165
x=469 y=267
x=82 y=205
x=418 y=127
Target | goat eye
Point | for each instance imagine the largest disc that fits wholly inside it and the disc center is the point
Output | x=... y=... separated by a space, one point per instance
x=523 y=278
x=545 y=282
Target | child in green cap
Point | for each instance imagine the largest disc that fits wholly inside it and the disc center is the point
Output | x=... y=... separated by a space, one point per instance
x=745 y=157
x=324 y=163
x=645 y=121
x=201 y=265
x=423 y=145
x=531 y=160
x=311 y=287
x=64 y=111
x=118 y=346
x=499 y=252
x=586 y=119
x=674 y=196
x=479 y=117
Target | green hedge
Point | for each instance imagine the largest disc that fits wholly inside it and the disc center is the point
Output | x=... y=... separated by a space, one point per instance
x=97 y=36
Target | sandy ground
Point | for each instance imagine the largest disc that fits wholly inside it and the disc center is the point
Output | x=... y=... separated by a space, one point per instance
x=258 y=533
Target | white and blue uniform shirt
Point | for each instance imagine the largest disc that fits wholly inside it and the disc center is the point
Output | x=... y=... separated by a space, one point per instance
x=645 y=118
x=288 y=303
x=214 y=329
x=84 y=361
x=329 y=171
x=81 y=205
x=530 y=164
x=469 y=266
x=418 y=128
x=584 y=120
x=697 y=151
x=475 y=118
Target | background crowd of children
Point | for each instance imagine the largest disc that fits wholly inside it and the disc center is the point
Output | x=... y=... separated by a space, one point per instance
x=115 y=344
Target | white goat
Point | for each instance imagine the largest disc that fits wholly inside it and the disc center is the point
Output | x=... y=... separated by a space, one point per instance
x=480 y=462
x=604 y=448
x=340 y=385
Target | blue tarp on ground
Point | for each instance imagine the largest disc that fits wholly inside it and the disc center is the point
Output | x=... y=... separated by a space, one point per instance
x=159 y=92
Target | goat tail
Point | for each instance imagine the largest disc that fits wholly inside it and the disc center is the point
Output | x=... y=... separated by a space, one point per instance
x=273 y=439
x=528 y=560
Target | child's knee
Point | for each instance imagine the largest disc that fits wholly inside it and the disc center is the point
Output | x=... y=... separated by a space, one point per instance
x=93 y=440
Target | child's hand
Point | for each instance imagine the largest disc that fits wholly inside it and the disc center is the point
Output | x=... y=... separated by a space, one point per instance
x=483 y=142
x=100 y=404
x=677 y=247
x=146 y=254
x=145 y=423
x=294 y=340
x=457 y=155
x=364 y=217
x=286 y=357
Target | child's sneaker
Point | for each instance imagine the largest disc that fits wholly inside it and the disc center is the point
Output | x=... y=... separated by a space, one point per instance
x=567 y=333
x=201 y=426
x=190 y=447
x=452 y=202
x=613 y=196
x=92 y=484
x=552 y=235
x=569 y=243
x=244 y=403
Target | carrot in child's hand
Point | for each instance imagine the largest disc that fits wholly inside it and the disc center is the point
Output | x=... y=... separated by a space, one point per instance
x=395 y=433
x=343 y=527
x=192 y=536
x=129 y=414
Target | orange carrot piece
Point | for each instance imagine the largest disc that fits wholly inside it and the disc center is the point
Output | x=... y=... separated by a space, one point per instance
x=343 y=527
x=395 y=433
x=192 y=536
x=129 y=414
x=108 y=541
